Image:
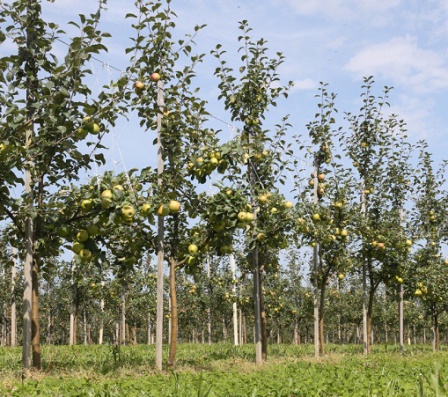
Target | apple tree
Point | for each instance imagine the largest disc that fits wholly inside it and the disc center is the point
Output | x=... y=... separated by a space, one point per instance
x=380 y=153
x=47 y=111
x=326 y=208
x=247 y=97
x=429 y=271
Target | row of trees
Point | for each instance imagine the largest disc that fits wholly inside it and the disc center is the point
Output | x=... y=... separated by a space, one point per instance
x=123 y=311
x=355 y=209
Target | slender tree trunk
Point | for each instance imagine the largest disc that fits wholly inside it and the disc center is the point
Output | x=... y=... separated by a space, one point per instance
x=369 y=316
x=73 y=306
x=401 y=319
x=150 y=341
x=244 y=329
x=264 y=331
x=31 y=70
x=234 y=306
x=321 y=319
x=174 y=320
x=84 y=326
x=134 y=335
x=123 y=318
x=436 y=332
x=13 y=304
x=101 y=330
x=160 y=234
x=316 y=274
x=209 y=309
x=35 y=318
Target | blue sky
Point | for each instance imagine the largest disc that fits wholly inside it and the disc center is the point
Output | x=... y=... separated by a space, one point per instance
x=402 y=43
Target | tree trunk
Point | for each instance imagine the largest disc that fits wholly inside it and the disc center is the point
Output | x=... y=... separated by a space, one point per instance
x=35 y=318
x=123 y=317
x=369 y=316
x=436 y=332
x=13 y=305
x=174 y=320
x=101 y=330
x=160 y=233
x=264 y=331
x=321 y=317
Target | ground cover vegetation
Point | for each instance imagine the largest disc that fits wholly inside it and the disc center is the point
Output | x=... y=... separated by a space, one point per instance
x=334 y=237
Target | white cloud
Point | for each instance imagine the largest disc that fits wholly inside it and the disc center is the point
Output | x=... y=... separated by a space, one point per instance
x=305 y=84
x=403 y=62
x=346 y=9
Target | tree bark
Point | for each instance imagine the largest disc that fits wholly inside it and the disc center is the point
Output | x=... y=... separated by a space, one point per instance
x=321 y=318
x=35 y=331
x=174 y=319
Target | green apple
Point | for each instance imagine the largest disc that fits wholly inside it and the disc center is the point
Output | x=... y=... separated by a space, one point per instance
x=316 y=217
x=174 y=206
x=262 y=198
x=77 y=247
x=81 y=133
x=242 y=215
x=249 y=216
x=163 y=210
x=107 y=194
x=64 y=231
x=93 y=230
x=82 y=236
x=146 y=208
x=289 y=204
x=128 y=211
x=261 y=236
x=85 y=254
x=193 y=249
x=95 y=129
x=86 y=205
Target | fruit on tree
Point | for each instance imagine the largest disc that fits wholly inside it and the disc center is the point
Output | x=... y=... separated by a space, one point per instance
x=82 y=236
x=174 y=206
x=262 y=198
x=64 y=232
x=93 y=230
x=119 y=187
x=128 y=211
x=321 y=177
x=146 y=208
x=409 y=243
x=139 y=85
x=86 y=205
x=155 y=77
x=249 y=217
x=289 y=204
x=193 y=249
x=316 y=217
x=163 y=210
x=85 y=254
x=242 y=215
x=344 y=233
x=341 y=276
x=77 y=247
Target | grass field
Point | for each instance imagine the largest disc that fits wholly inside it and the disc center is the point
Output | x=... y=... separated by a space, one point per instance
x=225 y=370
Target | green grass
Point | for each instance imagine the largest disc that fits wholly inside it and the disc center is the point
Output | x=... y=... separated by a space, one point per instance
x=225 y=370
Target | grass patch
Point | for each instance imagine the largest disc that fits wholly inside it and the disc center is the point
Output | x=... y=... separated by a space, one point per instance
x=226 y=370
